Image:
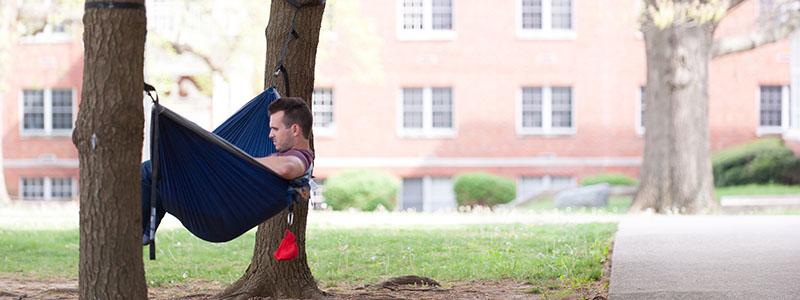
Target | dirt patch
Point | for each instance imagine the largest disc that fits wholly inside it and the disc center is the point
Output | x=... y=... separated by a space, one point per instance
x=11 y=288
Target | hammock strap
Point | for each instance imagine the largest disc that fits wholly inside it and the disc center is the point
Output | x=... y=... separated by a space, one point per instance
x=156 y=175
x=292 y=33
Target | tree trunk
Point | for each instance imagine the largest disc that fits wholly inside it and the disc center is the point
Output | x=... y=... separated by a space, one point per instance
x=108 y=136
x=676 y=170
x=267 y=277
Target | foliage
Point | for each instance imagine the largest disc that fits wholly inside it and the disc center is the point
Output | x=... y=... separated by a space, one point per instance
x=484 y=189
x=757 y=189
x=363 y=189
x=610 y=178
x=569 y=252
x=669 y=12
x=761 y=161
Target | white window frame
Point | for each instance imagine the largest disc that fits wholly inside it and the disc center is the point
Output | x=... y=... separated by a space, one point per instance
x=47 y=189
x=546 y=32
x=640 y=129
x=48 y=115
x=770 y=130
x=330 y=130
x=47 y=35
x=427 y=130
x=426 y=33
x=547 y=128
x=547 y=183
x=427 y=193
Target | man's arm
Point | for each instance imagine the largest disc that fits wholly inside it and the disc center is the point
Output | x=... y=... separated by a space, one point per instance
x=287 y=167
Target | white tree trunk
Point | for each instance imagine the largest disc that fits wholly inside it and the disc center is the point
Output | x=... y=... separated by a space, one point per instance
x=676 y=170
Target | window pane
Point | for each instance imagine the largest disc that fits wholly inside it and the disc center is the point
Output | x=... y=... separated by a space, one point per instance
x=771 y=106
x=562 y=14
x=562 y=107
x=561 y=182
x=532 y=107
x=62 y=109
x=322 y=106
x=412 y=193
x=642 y=102
x=442 y=107
x=442 y=195
x=33 y=109
x=529 y=186
x=531 y=14
x=61 y=188
x=412 y=14
x=32 y=188
x=412 y=108
x=442 y=14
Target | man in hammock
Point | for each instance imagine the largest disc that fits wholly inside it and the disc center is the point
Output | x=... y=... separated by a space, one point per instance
x=290 y=126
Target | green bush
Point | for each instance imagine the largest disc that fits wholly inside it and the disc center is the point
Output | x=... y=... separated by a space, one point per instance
x=761 y=161
x=362 y=189
x=610 y=178
x=484 y=189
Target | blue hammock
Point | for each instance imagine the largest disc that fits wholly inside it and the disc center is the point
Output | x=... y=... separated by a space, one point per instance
x=210 y=181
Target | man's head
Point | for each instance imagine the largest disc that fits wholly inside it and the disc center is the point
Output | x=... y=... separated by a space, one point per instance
x=290 y=122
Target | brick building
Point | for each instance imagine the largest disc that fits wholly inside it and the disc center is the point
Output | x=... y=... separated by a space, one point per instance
x=42 y=87
x=542 y=92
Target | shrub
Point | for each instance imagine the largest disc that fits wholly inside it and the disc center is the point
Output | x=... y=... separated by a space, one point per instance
x=610 y=178
x=761 y=161
x=481 y=188
x=362 y=189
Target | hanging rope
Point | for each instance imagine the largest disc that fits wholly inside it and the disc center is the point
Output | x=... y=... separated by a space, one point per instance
x=281 y=69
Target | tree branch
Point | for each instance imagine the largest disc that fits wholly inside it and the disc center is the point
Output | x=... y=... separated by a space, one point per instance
x=735 y=3
x=184 y=48
x=757 y=38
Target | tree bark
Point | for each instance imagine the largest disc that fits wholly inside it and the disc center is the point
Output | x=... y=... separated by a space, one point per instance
x=676 y=169
x=267 y=277
x=108 y=136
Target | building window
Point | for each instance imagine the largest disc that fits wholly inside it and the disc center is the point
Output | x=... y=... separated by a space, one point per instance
x=51 y=24
x=546 y=110
x=33 y=109
x=163 y=17
x=32 y=188
x=62 y=109
x=545 y=19
x=425 y=20
x=531 y=186
x=322 y=106
x=773 y=109
x=47 y=112
x=641 y=104
x=62 y=188
x=413 y=194
x=428 y=194
x=317 y=197
x=426 y=112
x=47 y=188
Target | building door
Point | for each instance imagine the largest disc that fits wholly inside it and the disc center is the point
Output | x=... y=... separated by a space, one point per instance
x=412 y=194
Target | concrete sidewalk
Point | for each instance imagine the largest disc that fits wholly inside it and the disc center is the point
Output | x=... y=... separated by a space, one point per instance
x=706 y=257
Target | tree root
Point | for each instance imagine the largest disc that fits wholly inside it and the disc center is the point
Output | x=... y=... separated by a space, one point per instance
x=397 y=283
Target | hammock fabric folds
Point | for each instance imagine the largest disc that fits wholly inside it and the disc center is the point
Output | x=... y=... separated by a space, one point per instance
x=210 y=181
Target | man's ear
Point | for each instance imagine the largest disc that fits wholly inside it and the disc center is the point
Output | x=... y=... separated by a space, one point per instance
x=296 y=129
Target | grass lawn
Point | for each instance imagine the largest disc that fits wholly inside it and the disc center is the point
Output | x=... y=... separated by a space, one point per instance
x=542 y=254
x=620 y=204
x=757 y=189
x=616 y=205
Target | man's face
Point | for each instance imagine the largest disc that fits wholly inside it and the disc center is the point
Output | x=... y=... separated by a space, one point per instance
x=282 y=136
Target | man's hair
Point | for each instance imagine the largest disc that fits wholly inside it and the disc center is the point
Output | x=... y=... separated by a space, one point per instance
x=295 y=111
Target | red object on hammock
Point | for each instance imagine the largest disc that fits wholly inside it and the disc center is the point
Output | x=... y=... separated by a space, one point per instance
x=288 y=248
